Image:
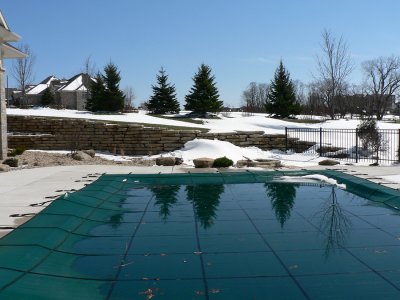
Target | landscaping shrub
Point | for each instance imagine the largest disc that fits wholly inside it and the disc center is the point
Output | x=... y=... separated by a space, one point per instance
x=371 y=139
x=12 y=162
x=19 y=150
x=222 y=162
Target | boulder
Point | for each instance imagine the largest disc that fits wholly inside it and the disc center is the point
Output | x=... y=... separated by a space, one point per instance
x=260 y=163
x=268 y=163
x=203 y=162
x=81 y=156
x=91 y=152
x=328 y=162
x=165 y=161
x=178 y=161
x=245 y=163
x=4 y=168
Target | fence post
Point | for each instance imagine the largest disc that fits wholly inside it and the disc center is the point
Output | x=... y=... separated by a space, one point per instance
x=320 y=141
x=356 y=145
x=286 y=139
x=398 y=150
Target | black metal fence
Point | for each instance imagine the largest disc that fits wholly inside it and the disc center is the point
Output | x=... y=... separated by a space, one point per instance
x=346 y=144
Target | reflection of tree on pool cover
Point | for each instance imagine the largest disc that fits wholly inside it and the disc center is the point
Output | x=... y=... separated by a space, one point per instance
x=165 y=197
x=205 y=199
x=282 y=199
x=116 y=220
x=333 y=224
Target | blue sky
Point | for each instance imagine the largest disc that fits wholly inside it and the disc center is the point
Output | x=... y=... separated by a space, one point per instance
x=242 y=40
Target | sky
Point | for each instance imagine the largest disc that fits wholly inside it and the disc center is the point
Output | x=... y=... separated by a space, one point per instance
x=241 y=40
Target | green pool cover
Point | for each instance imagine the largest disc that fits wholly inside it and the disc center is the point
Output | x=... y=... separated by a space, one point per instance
x=246 y=235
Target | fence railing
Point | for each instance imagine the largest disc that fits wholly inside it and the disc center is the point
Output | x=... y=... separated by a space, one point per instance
x=346 y=144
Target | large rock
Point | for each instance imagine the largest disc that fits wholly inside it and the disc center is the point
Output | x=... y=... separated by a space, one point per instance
x=178 y=161
x=260 y=163
x=203 y=162
x=91 y=152
x=81 y=156
x=328 y=162
x=4 y=168
x=165 y=161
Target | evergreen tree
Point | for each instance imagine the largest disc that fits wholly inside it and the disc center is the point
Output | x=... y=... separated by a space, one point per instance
x=203 y=96
x=105 y=92
x=114 y=99
x=163 y=99
x=282 y=99
x=48 y=97
x=97 y=89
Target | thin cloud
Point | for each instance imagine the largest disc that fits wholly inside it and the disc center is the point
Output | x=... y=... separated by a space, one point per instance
x=276 y=59
x=258 y=60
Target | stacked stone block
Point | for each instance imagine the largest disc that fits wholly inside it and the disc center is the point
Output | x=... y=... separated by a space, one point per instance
x=120 y=138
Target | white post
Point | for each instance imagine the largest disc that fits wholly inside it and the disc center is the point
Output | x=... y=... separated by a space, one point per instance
x=3 y=114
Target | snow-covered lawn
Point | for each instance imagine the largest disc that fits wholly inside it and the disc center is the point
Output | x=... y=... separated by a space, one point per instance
x=234 y=122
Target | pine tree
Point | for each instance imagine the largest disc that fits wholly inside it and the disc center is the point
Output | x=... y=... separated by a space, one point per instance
x=203 y=96
x=105 y=92
x=48 y=97
x=282 y=99
x=114 y=98
x=97 y=89
x=163 y=99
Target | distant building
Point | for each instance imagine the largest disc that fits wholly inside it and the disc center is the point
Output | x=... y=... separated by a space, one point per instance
x=72 y=93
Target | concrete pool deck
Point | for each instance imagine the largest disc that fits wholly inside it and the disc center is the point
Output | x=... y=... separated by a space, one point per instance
x=25 y=193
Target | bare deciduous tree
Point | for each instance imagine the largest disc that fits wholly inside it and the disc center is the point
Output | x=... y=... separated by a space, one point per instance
x=314 y=103
x=89 y=67
x=382 y=82
x=250 y=97
x=300 y=91
x=263 y=91
x=333 y=66
x=129 y=97
x=22 y=70
x=255 y=97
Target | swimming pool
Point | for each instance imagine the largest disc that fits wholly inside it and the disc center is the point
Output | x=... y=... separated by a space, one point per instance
x=248 y=235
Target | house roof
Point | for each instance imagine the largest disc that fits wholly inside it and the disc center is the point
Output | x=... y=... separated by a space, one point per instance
x=48 y=80
x=37 y=89
x=9 y=51
x=3 y=22
x=5 y=33
x=44 y=84
x=79 y=82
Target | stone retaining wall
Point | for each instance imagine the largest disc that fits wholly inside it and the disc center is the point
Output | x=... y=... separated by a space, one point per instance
x=120 y=138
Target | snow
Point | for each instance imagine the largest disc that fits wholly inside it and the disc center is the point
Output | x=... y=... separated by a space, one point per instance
x=74 y=85
x=50 y=80
x=214 y=148
x=38 y=89
x=129 y=117
x=316 y=177
x=234 y=122
x=392 y=178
